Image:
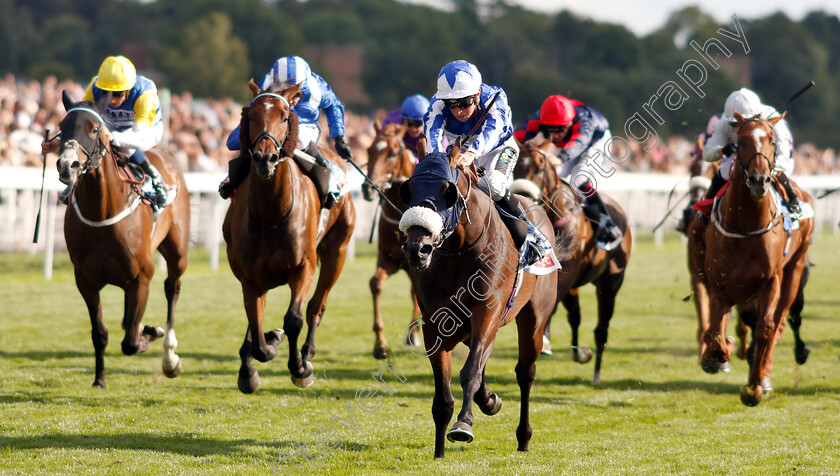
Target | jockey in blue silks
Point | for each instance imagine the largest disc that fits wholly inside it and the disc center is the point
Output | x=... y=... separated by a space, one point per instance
x=314 y=96
x=455 y=110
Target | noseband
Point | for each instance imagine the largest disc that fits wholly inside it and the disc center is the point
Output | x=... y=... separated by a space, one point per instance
x=390 y=180
x=267 y=134
x=92 y=157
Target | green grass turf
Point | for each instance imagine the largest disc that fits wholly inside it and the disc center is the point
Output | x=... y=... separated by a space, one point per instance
x=655 y=411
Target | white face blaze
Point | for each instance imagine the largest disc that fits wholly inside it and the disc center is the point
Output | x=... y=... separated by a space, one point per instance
x=381 y=145
x=66 y=172
x=758 y=133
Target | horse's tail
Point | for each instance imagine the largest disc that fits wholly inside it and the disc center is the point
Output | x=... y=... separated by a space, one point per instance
x=566 y=241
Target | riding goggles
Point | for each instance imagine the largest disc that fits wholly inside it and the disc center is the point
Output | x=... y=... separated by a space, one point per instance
x=461 y=103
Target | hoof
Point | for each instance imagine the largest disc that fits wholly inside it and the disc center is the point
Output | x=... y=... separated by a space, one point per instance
x=493 y=405
x=460 y=431
x=276 y=335
x=415 y=339
x=248 y=383
x=596 y=379
x=546 y=350
x=751 y=395
x=308 y=376
x=173 y=371
x=154 y=333
x=100 y=383
x=380 y=353
x=801 y=354
x=713 y=366
x=581 y=355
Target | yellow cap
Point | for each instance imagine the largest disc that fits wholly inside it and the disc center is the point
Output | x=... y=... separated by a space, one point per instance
x=116 y=74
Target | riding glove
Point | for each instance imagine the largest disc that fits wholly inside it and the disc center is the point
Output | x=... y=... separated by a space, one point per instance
x=342 y=148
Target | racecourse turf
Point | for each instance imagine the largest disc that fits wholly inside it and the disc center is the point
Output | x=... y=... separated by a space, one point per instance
x=655 y=411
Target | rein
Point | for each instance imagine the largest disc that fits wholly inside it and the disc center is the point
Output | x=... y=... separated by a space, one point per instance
x=463 y=200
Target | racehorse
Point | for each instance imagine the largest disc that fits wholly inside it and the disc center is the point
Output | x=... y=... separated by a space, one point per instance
x=747 y=255
x=390 y=163
x=273 y=237
x=748 y=312
x=464 y=270
x=110 y=238
x=588 y=264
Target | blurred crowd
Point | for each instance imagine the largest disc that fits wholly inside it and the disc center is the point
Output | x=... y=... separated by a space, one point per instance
x=198 y=128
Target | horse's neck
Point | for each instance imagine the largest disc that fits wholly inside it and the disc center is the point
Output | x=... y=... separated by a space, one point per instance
x=407 y=164
x=478 y=208
x=101 y=193
x=741 y=211
x=275 y=197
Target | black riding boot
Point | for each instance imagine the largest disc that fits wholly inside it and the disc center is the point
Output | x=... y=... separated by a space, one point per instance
x=320 y=175
x=238 y=169
x=516 y=221
x=161 y=190
x=792 y=201
x=608 y=235
x=717 y=183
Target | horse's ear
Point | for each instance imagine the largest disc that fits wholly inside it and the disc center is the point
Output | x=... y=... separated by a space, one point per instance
x=103 y=102
x=405 y=192
x=65 y=99
x=737 y=116
x=377 y=126
x=455 y=151
x=777 y=119
x=245 y=131
x=255 y=90
x=450 y=194
x=290 y=92
x=422 y=147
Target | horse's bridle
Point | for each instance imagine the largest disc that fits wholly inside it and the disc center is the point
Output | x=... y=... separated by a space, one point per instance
x=92 y=157
x=390 y=180
x=544 y=170
x=267 y=134
x=757 y=154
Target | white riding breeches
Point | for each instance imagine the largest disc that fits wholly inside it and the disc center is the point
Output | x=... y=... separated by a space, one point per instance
x=498 y=165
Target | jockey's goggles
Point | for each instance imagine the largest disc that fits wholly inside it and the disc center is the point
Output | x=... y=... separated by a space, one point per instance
x=553 y=129
x=461 y=103
x=414 y=123
x=118 y=94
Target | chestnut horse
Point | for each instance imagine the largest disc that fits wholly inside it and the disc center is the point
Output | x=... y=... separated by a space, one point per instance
x=390 y=163
x=588 y=264
x=111 y=239
x=272 y=235
x=463 y=268
x=746 y=255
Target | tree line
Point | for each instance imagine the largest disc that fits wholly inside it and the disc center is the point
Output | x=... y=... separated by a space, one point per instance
x=212 y=47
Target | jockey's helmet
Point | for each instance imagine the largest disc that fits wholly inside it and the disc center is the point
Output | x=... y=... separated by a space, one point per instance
x=290 y=69
x=116 y=74
x=745 y=101
x=414 y=107
x=557 y=111
x=458 y=79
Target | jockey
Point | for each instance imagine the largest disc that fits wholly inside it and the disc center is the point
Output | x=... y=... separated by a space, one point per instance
x=455 y=110
x=722 y=145
x=314 y=95
x=580 y=133
x=410 y=114
x=133 y=118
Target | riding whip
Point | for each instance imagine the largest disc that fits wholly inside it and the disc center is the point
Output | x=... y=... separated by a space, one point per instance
x=380 y=192
x=41 y=200
x=795 y=95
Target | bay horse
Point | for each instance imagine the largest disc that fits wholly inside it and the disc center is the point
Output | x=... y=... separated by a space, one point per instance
x=272 y=235
x=746 y=255
x=111 y=239
x=463 y=267
x=588 y=263
x=390 y=163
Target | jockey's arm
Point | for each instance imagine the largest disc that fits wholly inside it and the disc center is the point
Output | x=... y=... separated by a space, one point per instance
x=494 y=127
x=784 y=147
x=332 y=107
x=712 y=149
x=140 y=135
x=580 y=139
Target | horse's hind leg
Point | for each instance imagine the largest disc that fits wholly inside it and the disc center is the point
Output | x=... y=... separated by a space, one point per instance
x=333 y=251
x=385 y=268
x=98 y=332
x=176 y=264
x=300 y=284
x=137 y=336
x=571 y=301
x=607 y=288
x=526 y=370
x=800 y=350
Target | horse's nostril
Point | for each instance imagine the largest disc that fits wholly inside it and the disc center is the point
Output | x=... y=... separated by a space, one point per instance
x=426 y=249
x=75 y=165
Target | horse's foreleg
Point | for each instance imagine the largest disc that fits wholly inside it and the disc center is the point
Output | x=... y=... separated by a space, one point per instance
x=699 y=291
x=471 y=378
x=443 y=403
x=98 y=332
x=249 y=378
x=414 y=325
x=263 y=345
x=300 y=284
x=765 y=335
x=607 y=288
x=571 y=302
x=489 y=403
x=332 y=262
x=383 y=271
x=718 y=348
x=137 y=336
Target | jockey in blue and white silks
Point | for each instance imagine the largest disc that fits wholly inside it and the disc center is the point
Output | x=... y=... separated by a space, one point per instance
x=457 y=107
x=315 y=95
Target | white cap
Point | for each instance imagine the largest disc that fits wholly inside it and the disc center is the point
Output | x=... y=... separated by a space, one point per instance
x=458 y=79
x=745 y=101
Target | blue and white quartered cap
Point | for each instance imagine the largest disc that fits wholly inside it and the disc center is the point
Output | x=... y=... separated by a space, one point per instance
x=458 y=79
x=290 y=69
